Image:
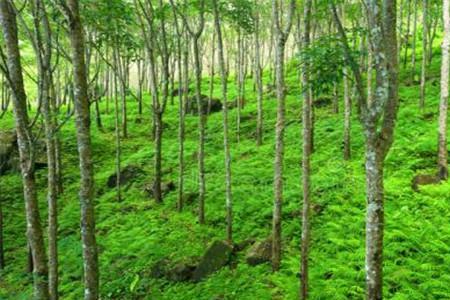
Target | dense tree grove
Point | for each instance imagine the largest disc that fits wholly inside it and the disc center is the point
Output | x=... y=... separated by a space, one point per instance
x=224 y=149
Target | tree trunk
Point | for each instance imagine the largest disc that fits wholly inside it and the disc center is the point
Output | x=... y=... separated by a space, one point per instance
x=374 y=221
x=306 y=158
x=414 y=40
x=443 y=105
x=81 y=103
x=281 y=36
x=228 y=193
x=2 y=245
x=259 y=84
x=347 y=117
x=201 y=136
x=424 y=55
x=24 y=140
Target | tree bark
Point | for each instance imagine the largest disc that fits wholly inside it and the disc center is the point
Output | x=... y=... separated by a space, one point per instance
x=347 y=117
x=306 y=158
x=26 y=151
x=259 y=84
x=281 y=36
x=86 y=194
x=226 y=144
x=2 y=245
x=423 y=72
x=43 y=49
x=443 y=105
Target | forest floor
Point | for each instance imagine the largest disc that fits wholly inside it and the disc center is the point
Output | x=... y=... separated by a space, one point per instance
x=136 y=233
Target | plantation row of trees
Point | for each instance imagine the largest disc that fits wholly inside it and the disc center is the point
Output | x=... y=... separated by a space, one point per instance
x=117 y=51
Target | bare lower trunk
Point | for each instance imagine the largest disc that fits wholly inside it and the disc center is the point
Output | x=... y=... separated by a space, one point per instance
x=443 y=106
x=24 y=140
x=157 y=193
x=374 y=222
x=424 y=55
x=90 y=255
x=226 y=145
x=413 y=44
x=259 y=85
x=347 y=117
x=306 y=158
x=117 y=140
x=2 y=246
x=279 y=155
x=201 y=134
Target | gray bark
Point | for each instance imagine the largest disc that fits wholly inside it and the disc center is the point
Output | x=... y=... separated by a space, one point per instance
x=281 y=36
x=226 y=144
x=443 y=106
x=24 y=139
x=86 y=194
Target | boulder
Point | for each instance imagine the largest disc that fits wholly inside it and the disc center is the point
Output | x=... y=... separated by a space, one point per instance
x=9 y=153
x=322 y=102
x=216 y=105
x=216 y=257
x=243 y=245
x=166 y=187
x=178 y=272
x=259 y=253
x=424 y=179
x=127 y=175
x=159 y=269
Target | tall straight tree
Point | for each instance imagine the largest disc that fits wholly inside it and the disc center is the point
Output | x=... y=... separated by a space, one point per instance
x=195 y=35
x=258 y=79
x=181 y=49
x=13 y=72
x=306 y=159
x=378 y=120
x=43 y=47
x=2 y=246
x=443 y=106
x=226 y=144
x=147 y=18
x=71 y=11
x=282 y=30
x=423 y=71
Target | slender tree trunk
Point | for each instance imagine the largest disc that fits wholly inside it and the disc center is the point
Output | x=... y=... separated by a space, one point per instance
x=81 y=101
x=2 y=245
x=414 y=40
x=201 y=128
x=42 y=40
x=306 y=159
x=423 y=72
x=281 y=36
x=24 y=139
x=212 y=72
x=117 y=131
x=408 y=29
x=335 y=98
x=347 y=117
x=259 y=84
x=226 y=144
x=443 y=106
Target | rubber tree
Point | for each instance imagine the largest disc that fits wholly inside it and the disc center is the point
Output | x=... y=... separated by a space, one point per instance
x=14 y=74
x=443 y=106
x=378 y=120
x=71 y=10
x=282 y=30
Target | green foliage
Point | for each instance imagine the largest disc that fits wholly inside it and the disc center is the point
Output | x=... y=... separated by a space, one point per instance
x=136 y=233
